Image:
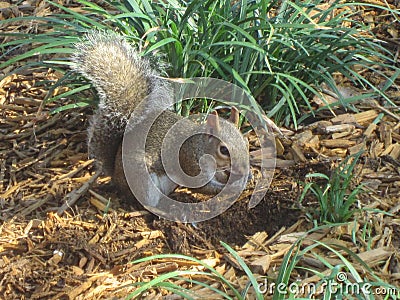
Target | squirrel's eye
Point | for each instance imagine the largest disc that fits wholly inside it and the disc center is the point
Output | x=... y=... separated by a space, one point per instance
x=224 y=150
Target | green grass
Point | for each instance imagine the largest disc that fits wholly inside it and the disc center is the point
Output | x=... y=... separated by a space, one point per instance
x=345 y=279
x=350 y=274
x=163 y=281
x=337 y=196
x=280 y=51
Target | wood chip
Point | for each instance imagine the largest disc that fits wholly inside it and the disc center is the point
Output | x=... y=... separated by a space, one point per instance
x=344 y=119
x=339 y=143
x=370 y=130
x=260 y=265
x=297 y=153
x=339 y=128
x=366 y=116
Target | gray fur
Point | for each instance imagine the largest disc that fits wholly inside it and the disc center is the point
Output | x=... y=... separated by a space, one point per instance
x=122 y=78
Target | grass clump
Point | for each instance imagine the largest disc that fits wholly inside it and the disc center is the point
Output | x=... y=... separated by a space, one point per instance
x=336 y=197
x=280 y=51
x=350 y=278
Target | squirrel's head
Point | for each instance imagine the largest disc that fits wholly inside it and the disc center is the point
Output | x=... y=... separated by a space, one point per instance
x=229 y=148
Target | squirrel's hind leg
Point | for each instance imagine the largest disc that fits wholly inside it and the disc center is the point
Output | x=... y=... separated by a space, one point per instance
x=103 y=143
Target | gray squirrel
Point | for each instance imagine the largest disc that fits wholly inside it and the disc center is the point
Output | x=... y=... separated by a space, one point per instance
x=123 y=79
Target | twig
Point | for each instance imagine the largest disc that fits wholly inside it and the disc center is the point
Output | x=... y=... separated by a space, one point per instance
x=37 y=204
x=74 y=195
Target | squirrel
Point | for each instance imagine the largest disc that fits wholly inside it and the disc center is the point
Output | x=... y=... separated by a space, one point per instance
x=123 y=79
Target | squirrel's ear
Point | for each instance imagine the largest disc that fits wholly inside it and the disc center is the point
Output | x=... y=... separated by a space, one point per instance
x=213 y=123
x=234 y=117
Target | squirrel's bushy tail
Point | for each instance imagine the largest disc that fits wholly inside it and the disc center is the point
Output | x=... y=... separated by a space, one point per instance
x=122 y=79
x=117 y=71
